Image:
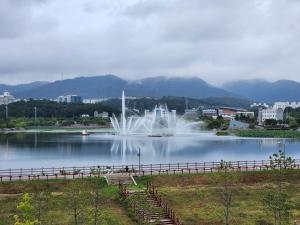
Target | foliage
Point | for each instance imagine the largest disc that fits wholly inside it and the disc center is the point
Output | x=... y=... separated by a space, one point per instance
x=22 y=122
x=268 y=133
x=77 y=199
x=281 y=161
x=222 y=133
x=270 y=122
x=96 y=184
x=227 y=183
x=245 y=119
x=178 y=103
x=293 y=124
x=27 y=212
x=217 y=123
x=46 y=108
x=57 y=209
x=276 y=201
x=41 y=197
x=278 y=205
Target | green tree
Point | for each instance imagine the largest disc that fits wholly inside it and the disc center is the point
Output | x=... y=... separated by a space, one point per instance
x=214 y=124
x=228 y=180
x=270 y=122
x=41 y=200
x=77 y=198
x=293 y=123
x=26 y=209
x=96 y=185
x=275 y=201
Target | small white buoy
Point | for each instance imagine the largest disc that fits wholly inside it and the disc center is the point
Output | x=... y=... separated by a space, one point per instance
x=85 y=133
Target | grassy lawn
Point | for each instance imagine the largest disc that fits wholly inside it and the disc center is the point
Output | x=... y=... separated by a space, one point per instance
x=60 y=211
x=197 y=199
x=268 y=133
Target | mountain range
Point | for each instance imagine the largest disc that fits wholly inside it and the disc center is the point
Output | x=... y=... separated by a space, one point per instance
x=110 y=86
x=265 y=91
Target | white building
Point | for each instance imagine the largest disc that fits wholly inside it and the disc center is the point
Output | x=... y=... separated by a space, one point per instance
x=271 y=113
x=94 y=101
x=69 y=99
x=259 y=104
x=6 y=98
x=210 y=112
x=101 y=115
x=283 y=105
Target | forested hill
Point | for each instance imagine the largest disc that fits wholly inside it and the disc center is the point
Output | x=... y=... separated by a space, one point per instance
x=48 y=108
x=53 y=109
x=179 y=103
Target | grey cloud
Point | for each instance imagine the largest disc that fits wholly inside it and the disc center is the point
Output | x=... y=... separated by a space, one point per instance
x=216 y=40
x=17 y=19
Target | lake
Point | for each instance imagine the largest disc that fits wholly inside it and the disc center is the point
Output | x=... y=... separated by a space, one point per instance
x=32 y=150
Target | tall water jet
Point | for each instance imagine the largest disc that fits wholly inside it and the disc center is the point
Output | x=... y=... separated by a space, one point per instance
x=123 y=114
x=159 y=123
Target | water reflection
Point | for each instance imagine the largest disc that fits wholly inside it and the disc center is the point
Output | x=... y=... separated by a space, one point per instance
x=47 y=150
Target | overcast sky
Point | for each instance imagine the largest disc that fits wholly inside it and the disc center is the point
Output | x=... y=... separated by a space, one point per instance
x=216 y=40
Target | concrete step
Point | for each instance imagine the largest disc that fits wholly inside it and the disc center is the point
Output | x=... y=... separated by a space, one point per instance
x=119 y=179
x=155 y=213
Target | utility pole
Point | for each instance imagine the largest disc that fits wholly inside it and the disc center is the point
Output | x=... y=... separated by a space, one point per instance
x=35 y=116
x=139 y=155
x=6 y=115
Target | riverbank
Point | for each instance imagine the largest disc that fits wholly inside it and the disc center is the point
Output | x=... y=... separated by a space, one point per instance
x=267 y=133
x=77 y=130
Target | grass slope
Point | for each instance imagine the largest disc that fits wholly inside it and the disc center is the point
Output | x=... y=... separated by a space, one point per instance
x=197 y=198
x=112 y=212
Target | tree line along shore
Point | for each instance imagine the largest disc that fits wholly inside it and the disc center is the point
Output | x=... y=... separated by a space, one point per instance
x=53 y=115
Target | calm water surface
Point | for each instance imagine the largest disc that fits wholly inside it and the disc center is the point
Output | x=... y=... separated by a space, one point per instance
x=27 y=150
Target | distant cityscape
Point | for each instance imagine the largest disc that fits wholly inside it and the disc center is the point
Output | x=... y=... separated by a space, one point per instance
x=264 y=110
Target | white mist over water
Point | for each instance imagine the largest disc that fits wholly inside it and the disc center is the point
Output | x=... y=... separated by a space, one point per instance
x=159 y=123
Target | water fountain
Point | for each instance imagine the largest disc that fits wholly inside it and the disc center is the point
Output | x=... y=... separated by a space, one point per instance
x=159 y=123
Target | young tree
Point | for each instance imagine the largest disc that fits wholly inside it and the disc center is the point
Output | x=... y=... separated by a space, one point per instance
x=26 y=212
x=227 y=183
x=77 y=199
x=41 y=198
x=276 y=201
x=96 y=186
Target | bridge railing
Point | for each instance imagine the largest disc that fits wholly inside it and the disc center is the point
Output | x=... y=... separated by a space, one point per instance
x=148 y=169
